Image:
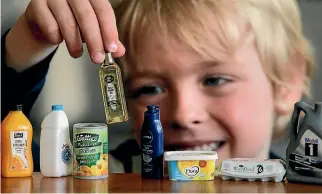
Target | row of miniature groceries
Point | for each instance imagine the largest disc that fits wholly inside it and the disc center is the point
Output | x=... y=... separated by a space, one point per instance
x=87 y=158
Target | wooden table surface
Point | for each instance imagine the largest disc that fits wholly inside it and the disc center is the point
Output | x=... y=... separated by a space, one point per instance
x=124 y=183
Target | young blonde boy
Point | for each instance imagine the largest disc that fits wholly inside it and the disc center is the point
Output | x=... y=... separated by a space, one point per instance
x=225 y=73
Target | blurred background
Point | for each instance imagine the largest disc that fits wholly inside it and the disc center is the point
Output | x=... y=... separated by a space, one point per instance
x=76 y=94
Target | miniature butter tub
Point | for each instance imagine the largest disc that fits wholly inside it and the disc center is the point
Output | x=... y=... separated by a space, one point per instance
x=191 y=165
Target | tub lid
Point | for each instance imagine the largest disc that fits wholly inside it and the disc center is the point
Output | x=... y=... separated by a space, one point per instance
x=190 y=155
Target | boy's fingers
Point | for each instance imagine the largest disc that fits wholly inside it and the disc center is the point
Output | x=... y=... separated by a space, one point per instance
x=106 y=19
x=39 y=16
x=88 y=24
x=68 y=26
x=120 y=51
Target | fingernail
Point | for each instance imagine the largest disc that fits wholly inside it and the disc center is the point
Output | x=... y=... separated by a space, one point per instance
x=98 y=57
x=112 y=47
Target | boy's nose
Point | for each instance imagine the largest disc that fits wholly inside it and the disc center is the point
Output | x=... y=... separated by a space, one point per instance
x=187 y=111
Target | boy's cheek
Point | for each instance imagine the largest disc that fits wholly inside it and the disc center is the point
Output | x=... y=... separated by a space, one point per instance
x=255 y=135
x=249 y=122
x=250 y=130
x=253 y=147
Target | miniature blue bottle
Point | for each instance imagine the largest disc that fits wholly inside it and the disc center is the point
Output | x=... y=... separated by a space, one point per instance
x=152 y=141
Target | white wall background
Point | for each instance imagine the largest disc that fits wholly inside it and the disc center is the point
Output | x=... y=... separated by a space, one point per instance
x=77 y=87
x=311 y=17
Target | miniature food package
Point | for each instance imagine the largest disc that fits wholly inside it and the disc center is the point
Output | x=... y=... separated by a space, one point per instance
x=252 y=169
x=191 y=165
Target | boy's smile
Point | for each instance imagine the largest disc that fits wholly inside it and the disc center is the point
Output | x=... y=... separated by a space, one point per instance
x=196 y=145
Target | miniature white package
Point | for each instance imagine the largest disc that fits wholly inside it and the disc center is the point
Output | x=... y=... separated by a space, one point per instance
x=253 y=169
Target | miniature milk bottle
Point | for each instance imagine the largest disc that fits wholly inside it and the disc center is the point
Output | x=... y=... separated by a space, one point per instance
x=55 y=145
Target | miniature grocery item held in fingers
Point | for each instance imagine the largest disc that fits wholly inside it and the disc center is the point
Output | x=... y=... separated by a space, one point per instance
x=252 y=169
x=90 y=158
x=304 y=151
x=112 y=91
x=191 y=165
x=55 y=146
x=16 y=139
x=152 y=144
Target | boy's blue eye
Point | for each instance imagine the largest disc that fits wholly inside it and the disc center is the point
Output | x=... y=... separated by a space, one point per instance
x=146 y=90
x=215 y=81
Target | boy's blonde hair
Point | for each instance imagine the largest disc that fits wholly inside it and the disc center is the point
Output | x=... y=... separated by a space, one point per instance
x=273 y=25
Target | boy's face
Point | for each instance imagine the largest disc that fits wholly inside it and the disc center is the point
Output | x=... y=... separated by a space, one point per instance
x=225 y=105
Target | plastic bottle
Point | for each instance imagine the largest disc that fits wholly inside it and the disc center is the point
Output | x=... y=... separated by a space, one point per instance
x=152 y=142
x=304 y=151
x=55 y=145
x=16 y=140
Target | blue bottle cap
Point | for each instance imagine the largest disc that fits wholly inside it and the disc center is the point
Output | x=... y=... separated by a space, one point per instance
x=152 y=108
x=58 y=107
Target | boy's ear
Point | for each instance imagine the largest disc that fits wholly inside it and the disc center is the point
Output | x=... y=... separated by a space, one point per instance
x=291 y=92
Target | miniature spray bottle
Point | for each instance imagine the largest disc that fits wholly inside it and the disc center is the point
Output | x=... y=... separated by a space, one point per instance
x=112 y=91
x=152 y=141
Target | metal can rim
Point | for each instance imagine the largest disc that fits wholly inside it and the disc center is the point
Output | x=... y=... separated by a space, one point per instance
x=90 y=125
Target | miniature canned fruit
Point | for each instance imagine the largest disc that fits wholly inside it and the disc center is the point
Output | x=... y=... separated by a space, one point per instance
x=191 y=165
x=90 y=144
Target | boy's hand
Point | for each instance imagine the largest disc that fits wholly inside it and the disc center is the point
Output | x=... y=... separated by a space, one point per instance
x=76 y=21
